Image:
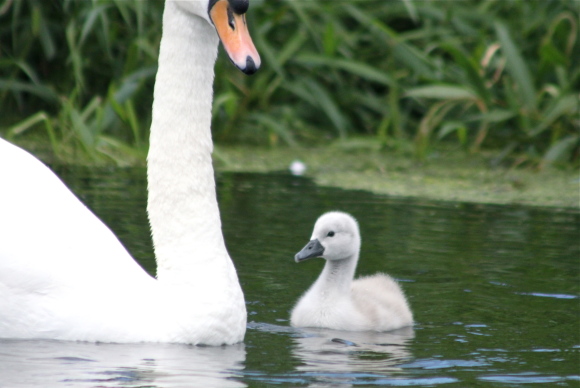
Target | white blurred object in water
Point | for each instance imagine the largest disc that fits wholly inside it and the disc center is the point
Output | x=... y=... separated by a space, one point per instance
x=297 y=167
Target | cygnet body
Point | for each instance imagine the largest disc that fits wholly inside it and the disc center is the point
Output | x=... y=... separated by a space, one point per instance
x=335 y=300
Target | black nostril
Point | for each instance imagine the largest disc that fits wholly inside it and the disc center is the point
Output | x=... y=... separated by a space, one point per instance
x=250 y=66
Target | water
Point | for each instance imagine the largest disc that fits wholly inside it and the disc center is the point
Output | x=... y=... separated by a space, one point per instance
x=494 y=290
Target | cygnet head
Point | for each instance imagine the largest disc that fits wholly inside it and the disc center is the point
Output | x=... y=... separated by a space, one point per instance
x=335 y=237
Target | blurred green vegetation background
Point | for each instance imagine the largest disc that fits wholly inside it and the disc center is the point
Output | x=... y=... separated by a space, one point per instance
x=77 y=77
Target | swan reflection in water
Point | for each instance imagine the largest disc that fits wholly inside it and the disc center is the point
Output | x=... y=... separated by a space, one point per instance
x=46 y=363
x=341 y=356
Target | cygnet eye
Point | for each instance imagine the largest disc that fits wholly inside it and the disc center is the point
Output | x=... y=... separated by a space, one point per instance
x=330 y=234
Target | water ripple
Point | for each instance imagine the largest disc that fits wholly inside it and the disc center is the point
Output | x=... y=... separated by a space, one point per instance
x=525 y=378
x=544 y=295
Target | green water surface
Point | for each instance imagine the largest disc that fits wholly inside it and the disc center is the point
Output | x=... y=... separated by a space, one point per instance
x=494 y=291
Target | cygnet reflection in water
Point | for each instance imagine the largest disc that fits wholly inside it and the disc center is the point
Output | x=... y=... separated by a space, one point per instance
x=348 y=352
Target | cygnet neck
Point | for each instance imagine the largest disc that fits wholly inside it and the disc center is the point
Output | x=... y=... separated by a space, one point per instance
x=182 y=205
x=337 y=275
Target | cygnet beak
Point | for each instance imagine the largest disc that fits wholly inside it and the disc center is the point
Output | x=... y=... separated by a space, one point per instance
x=312 y=249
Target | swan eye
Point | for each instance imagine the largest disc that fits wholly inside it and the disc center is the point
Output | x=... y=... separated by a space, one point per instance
x=330 y=234
x=231 y=19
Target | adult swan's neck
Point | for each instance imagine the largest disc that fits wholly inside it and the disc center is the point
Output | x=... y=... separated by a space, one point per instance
x=182 y=205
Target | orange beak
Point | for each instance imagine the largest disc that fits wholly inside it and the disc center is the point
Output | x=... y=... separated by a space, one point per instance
x=233 y=32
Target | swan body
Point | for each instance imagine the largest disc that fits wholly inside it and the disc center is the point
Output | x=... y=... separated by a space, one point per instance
x=63 y=273
x=335 y=300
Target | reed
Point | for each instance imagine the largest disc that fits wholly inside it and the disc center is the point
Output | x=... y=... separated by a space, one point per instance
x=404 y=75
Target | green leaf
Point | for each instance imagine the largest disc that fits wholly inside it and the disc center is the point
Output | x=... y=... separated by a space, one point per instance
x=298 y=89
x=291 y=47
x=275 y=126
x=47 y=41
x=328 y=106
x=29 y=122
x=357 y=68
x=137 y=153
x=222 y=100
x=494 y=116
x=561 y=149
x=453 y=126
x=567 y=105
x=472 y=71
x=409 y=55
x=329 y=41
x=551 y=54
x=41 y=91
x=442 y=92
x=517 y=66
x=411 y=9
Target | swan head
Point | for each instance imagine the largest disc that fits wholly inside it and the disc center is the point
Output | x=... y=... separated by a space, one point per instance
x=336 y=236
x=229 y=19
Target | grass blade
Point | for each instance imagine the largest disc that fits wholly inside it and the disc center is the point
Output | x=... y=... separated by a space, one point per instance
x=442 y=92
x=517 y=66
x=44 y=92
x=356 y=68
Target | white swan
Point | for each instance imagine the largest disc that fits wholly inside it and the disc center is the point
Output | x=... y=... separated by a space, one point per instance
x=64 y=275
x=335 y=301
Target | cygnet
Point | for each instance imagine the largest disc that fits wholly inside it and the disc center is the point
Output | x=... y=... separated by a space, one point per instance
x=335 y=300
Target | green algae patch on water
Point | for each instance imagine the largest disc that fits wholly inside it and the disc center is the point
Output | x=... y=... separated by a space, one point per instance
x=447 y=175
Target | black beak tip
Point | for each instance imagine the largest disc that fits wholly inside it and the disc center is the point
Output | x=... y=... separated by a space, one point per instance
x=251 y=67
